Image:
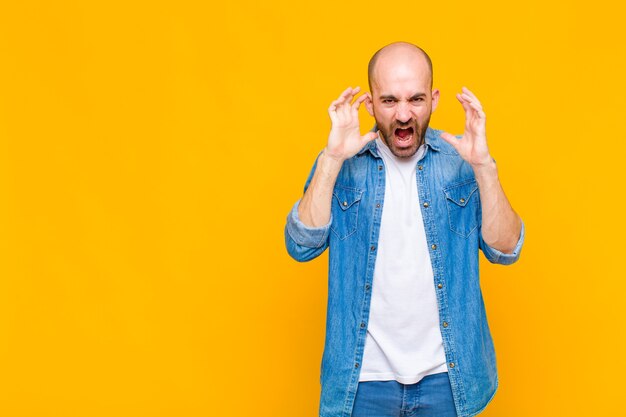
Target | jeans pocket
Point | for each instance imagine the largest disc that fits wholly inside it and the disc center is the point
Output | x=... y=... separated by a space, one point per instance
x=462 y=201
x=345 y=210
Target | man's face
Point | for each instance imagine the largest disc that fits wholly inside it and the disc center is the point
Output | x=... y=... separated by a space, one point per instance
x=402 y=102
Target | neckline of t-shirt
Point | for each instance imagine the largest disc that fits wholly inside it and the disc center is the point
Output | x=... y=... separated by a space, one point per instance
x=382 y=146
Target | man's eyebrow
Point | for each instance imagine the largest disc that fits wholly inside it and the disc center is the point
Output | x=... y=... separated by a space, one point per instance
x=392 y=97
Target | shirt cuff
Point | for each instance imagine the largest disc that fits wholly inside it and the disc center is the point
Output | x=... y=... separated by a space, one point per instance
x=498 y=257
x=310 y=237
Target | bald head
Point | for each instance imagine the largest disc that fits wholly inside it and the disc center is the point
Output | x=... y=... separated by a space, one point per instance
x=395 y=54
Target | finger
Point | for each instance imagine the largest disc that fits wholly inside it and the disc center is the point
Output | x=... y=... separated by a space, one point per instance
x=471 y=107
x=358 y=101
x=346 y=99
x=469 y=99
x=342 y=98
x=334 y=105
x=345 y=93
x=332 y=112
x=472 y=95
x=478 y=110
x=451 y=139
x=476 y=106
x=349 y=106
x=346 y=107
x=337 y=104
x=350 y=95
x=464 y=102
x=370 y=136
x=469 y=92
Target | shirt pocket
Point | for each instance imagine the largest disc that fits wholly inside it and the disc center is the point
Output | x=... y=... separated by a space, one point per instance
x=345 y=209
x=462 y=201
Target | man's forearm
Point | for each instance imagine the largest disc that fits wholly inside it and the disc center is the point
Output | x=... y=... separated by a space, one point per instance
x=314 y=208
x=501 y=226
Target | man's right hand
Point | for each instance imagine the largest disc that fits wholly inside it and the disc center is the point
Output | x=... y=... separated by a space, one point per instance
x=344 y=142
x=345 y=139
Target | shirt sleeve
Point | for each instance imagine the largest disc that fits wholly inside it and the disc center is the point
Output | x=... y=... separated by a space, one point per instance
x=303 y=242
x=497 y=257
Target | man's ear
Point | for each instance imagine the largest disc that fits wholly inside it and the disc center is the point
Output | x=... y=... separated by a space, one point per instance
x=368 y=103
x=435 y=95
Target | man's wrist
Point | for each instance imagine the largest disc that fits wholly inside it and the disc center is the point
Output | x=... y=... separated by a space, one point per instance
x=486 y=169
x=332 y=160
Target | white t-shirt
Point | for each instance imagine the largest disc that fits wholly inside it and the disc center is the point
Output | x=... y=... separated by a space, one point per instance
x=403 y=336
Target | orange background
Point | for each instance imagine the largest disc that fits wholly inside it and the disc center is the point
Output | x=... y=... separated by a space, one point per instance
x=150 y=152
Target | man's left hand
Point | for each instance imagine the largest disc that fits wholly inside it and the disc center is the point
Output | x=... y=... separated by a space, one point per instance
x=472 y=146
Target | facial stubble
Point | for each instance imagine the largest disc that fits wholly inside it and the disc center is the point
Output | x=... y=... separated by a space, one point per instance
x=417 y=130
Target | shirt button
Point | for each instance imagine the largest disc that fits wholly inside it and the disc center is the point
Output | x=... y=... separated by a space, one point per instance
x=380 y=167
x=439 y=286
x=356 y=365
x=462 y=200
x=426 y=204
x=433 y=246
x=345 y=203
x=362 y=325
x=373 y=248
x=451 y=364
x=377 y=205
x=420 y=167
x=367 y=286
x=445 y=324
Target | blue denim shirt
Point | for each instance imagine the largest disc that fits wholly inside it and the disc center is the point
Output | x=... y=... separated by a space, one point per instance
x=450 y=204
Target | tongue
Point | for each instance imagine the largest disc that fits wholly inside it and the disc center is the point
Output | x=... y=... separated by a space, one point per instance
x=403 y=133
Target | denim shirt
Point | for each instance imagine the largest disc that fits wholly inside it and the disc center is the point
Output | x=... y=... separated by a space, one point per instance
x=450 y=204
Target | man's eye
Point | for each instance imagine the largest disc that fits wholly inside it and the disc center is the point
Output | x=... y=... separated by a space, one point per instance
x=387 y=101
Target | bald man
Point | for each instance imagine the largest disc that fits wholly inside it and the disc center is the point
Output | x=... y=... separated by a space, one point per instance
x=405 y=210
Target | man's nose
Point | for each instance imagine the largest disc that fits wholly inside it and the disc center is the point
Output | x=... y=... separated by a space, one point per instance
x=403 y=113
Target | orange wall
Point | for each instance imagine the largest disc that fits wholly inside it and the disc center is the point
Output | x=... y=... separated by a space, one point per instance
x=150 y=152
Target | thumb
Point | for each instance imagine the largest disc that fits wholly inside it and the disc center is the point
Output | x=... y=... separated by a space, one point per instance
x=451 y=139
x=370 y=136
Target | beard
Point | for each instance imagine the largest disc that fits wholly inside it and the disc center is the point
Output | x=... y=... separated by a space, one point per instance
x=393 y=134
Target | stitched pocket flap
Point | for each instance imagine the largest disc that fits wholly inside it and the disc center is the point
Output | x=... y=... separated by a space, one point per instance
x=347 y=196
x=461 y=193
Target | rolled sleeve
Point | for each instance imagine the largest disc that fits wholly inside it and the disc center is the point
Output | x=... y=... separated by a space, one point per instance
x=303 y=235
x=497 y=257
x=305 y=242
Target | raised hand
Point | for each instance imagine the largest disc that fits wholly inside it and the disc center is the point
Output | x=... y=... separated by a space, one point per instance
x=473 y=144
x=345 y=139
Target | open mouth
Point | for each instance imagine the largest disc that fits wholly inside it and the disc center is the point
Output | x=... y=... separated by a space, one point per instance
x=404 y=135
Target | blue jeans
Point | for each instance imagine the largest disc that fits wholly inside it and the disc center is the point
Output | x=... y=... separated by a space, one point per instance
x=430 y=397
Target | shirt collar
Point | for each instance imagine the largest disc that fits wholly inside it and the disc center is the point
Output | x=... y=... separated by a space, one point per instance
x=431 y=140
